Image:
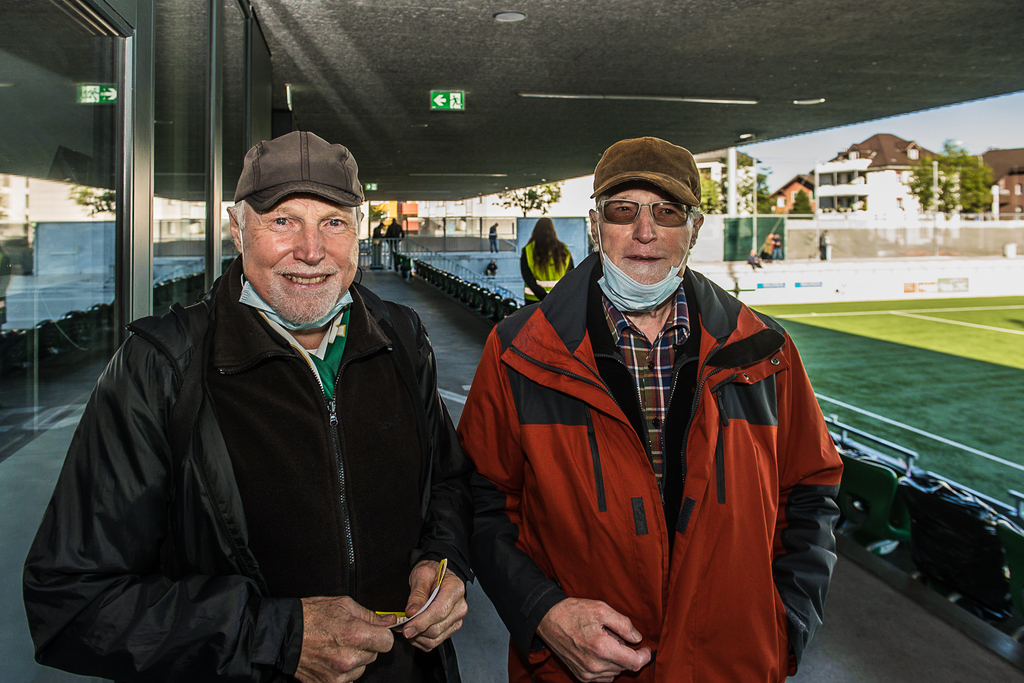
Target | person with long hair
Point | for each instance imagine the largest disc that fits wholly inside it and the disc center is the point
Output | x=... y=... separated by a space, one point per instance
x=545 y=260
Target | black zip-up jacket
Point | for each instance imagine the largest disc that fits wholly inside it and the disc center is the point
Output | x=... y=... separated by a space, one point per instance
x=100 y=598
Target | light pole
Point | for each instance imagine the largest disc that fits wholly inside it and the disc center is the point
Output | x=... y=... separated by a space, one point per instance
x=935 y=208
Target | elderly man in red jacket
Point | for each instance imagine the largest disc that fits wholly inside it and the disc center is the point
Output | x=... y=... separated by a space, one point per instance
x=655 y=488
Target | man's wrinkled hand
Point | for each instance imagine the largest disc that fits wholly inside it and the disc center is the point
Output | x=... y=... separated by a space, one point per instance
x=339 y=638
x=443 y=616
x=592 y=639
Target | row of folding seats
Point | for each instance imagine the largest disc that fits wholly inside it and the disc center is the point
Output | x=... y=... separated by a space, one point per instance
x=960 y=544
x=491 y=304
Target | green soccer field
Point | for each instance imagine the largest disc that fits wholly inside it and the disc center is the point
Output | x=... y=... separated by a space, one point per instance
x=944 y=377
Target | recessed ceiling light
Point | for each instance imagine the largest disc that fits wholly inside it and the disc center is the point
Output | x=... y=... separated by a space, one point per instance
x=509 y=16
x=6 y=85
x=419 y=125
x=813 y=100
x=746 y=136
x=646 y=98
x=459 y=175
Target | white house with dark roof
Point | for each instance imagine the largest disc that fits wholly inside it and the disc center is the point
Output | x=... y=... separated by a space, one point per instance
x=871 y=176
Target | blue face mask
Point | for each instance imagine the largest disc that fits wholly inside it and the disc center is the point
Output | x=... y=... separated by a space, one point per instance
x=251 y=298
x=628 y=295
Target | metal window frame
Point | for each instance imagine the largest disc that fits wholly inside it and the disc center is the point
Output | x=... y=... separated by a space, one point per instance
x=133 y=269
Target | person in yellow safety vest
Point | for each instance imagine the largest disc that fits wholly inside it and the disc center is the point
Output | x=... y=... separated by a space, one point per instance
x=545 y=260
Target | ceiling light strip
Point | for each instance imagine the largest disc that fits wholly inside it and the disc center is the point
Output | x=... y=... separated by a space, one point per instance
x=459 y=175
x=645 y=98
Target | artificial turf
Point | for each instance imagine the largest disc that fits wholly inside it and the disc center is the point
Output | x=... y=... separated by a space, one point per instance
x=961 y=383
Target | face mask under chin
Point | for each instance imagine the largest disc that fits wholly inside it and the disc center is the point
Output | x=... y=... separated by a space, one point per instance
x=630 y=296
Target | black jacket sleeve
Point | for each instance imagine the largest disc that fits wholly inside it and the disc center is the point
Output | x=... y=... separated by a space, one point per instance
x=97 y=600
x=448 y=518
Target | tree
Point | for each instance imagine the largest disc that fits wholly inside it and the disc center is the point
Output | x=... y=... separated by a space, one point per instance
x=745 y=189
x=801 y=203
x=710 y=195
x=527 y=199
x=965 y=181
x=378 y=212
x=96 y=199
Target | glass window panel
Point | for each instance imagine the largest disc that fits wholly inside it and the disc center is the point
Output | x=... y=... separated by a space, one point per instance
x=179 y=155
x=59 y=127
x=59 y=133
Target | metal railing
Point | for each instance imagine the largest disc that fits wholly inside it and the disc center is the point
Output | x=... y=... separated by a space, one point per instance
x=379 y=253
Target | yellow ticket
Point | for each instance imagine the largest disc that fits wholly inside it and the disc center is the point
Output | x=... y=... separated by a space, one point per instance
x=401 y=616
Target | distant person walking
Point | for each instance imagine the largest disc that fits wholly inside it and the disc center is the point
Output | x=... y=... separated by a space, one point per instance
x=394 y=230
x=544 y=261
x=825 y=246
x=492 y=234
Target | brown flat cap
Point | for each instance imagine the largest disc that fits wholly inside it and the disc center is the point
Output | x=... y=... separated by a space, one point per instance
x=298 y=163
x=651 y=160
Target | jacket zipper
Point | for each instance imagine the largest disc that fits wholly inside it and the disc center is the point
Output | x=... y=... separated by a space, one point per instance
x=332 y=410
x=693 y=408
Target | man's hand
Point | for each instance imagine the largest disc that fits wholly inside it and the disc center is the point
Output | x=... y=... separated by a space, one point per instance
x=443 y=617
x=592 y=639
x=339 y=638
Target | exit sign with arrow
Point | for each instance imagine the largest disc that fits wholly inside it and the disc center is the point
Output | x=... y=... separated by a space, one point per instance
x=448 y=100
x=96 y=93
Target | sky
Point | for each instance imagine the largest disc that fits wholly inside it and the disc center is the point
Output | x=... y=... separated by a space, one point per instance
x=996 y=122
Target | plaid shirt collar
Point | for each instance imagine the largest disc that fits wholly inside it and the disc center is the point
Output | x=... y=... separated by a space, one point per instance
x=675 y=331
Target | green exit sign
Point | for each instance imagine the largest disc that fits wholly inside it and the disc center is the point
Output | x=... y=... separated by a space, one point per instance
x=448 y=100
x=96 y=93
x=370 y=187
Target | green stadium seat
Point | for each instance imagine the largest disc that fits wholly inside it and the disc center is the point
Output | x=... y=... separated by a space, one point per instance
x=870 y=500
x=1012 y=538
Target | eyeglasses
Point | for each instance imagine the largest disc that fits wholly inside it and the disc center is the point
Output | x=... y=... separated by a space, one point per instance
x=625 y=211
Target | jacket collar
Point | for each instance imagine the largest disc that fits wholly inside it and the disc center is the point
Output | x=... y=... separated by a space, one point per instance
x=241 y=337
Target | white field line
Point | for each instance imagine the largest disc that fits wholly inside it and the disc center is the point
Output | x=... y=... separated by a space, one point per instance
x=452 y=396
x=905 y=314
x=940 y=439
x=839 y=314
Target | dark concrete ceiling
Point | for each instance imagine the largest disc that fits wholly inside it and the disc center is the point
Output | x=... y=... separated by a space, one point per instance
x=361 y=72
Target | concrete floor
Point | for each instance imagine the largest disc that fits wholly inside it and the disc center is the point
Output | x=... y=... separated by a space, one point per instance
x=879 y=627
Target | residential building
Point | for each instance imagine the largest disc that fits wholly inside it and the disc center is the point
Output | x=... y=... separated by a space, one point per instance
x=1008 y=174
x=872 y=175
x=783 y=198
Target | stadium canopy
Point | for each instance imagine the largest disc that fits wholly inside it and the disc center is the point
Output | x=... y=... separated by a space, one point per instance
x=544 y=96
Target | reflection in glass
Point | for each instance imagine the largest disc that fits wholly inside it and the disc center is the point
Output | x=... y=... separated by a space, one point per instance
x=179 y=155
x=59 y=126
x=235 y=144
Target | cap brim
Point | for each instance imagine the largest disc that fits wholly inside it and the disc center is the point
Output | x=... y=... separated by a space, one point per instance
x=268 y=198
x=674 y=188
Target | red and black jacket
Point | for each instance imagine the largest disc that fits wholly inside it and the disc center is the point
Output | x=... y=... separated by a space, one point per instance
x=725 y=575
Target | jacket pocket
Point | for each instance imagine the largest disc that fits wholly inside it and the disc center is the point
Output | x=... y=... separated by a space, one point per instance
x=602 y=506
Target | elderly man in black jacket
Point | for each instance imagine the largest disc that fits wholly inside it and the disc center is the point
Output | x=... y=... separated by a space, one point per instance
x=314 y=478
